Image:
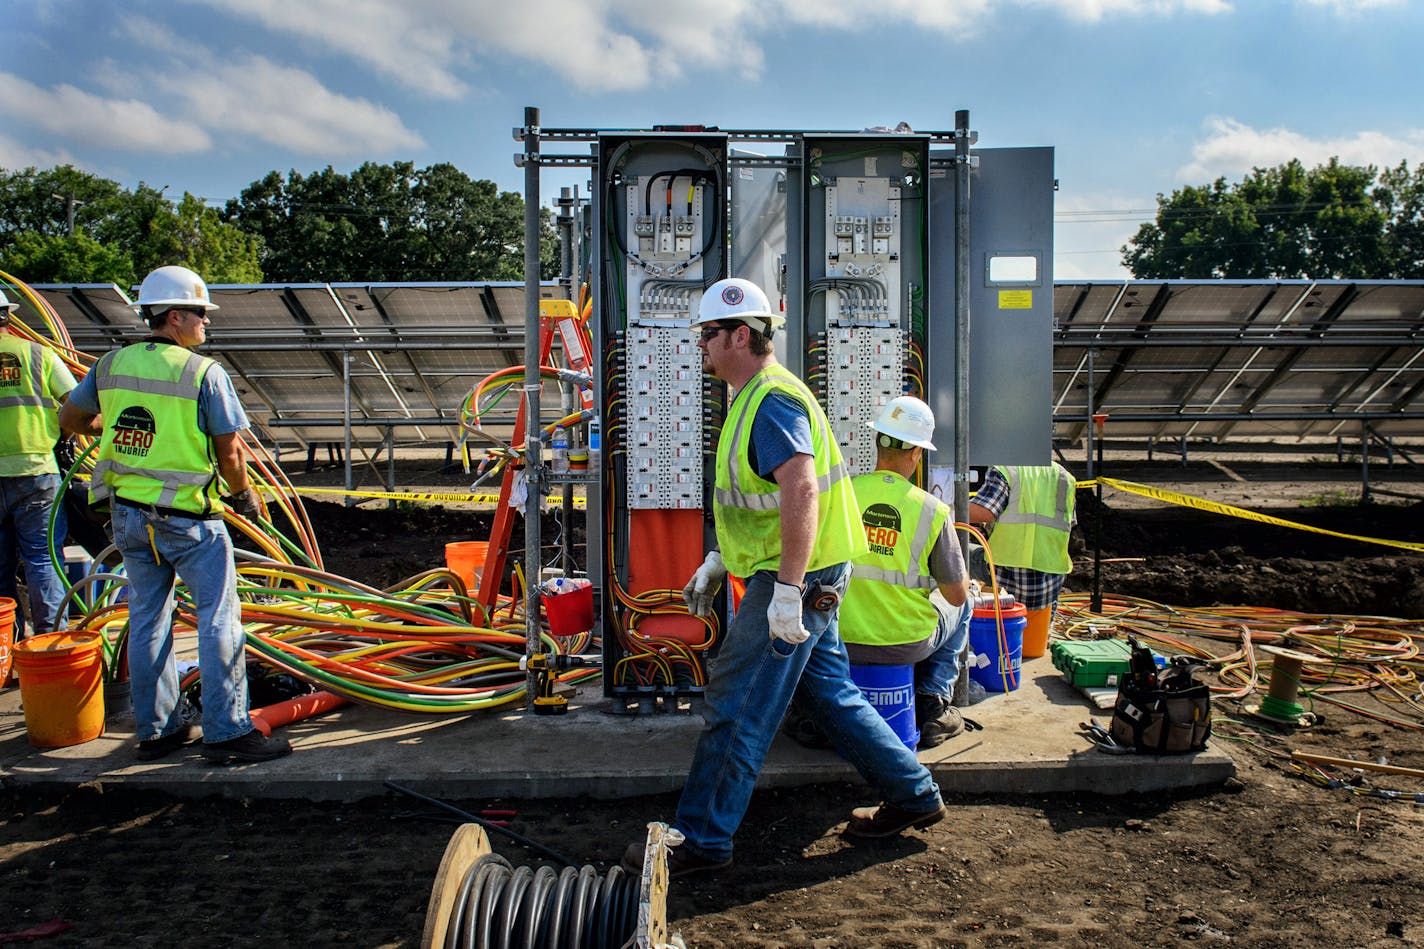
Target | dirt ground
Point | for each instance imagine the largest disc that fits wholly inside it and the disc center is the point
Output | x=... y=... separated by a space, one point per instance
x=1272 y=859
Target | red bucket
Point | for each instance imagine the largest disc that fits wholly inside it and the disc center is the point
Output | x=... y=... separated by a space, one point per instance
x=570 y=613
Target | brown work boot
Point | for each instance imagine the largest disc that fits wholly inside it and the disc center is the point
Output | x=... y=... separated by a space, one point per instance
x=887 y=820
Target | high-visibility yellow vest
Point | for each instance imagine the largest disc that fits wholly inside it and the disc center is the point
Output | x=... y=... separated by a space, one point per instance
x=29 y=425
x=152 y=451
x=1033 y=529
x=748 y=507
x=888 y=600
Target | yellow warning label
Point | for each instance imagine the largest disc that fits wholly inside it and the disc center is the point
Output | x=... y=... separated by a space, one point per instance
x=1201 y=504
x=1016 y=299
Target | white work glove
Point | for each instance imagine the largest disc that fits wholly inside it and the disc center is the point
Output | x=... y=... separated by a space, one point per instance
x=783 y=615
x=704 y=584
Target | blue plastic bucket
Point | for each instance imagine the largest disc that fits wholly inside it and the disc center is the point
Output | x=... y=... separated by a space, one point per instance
x=994 y=667
x=891 y=691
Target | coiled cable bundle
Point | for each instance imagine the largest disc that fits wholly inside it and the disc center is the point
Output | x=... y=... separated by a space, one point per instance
x=500 y=906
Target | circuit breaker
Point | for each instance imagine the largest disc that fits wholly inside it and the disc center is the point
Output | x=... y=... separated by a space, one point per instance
x=664 y=394
x=865 y=369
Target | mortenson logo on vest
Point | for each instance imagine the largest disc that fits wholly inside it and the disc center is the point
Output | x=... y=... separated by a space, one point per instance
x=11 y=372
x=133 y=432
x=882 y=528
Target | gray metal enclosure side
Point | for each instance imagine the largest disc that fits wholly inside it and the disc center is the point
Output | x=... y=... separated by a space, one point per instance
x=1010 y=398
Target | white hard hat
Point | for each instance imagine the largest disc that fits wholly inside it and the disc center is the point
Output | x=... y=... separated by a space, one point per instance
x=6 y=305
x=908 y=419
x=737 y=299
x=173 y=286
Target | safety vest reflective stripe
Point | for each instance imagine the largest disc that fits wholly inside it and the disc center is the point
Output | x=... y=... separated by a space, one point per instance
x=31 y=430
x=747 y=507
x=1024 y=537
x=1057 y=521
x=915 y=578
x=888 y=601
x=733 y=496
x=160 y=456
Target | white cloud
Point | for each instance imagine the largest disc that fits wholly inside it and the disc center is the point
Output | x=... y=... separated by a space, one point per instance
x=1089 y=230
x=617 y=45
x=413 y=43
x=1094 y=10
x=1231 y=149
x=111 y=123
x=250 y=97
x=16 y=155
x=1347 y=7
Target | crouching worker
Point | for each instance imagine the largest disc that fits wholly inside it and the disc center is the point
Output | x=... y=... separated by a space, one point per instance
x=785 y=519
x=888 y=617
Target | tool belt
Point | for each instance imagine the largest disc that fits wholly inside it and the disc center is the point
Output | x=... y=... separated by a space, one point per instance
x=1161 y=712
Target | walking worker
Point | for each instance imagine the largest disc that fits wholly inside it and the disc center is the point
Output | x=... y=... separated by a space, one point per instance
x=33 y=382
x=1031 y=508
x=785 y=519
x=168 y=423
x=888 y=617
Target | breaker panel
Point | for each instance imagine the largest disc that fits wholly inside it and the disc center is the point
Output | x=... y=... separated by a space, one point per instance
x=865 y=370
x=660 y=217
x=864 y=286
x=664 y=385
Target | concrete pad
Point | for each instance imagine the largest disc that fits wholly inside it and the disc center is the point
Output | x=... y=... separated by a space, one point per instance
x=1030 y=744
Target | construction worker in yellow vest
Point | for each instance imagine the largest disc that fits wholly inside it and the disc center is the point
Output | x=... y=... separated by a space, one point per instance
x=169 y=425
x=786 y=522
x=33 y=381
x=1031 y=508
x=890 y=616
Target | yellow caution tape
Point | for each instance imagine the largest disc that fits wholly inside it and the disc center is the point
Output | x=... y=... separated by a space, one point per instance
x=1186 y=500
x=422 y=496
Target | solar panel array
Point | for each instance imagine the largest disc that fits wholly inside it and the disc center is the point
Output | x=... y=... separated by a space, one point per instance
x=1230 y=359
x=404 y=355
x=1164 y=359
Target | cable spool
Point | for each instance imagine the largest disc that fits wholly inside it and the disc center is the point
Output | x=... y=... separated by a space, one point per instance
x=1279 y=705
x=479 y=899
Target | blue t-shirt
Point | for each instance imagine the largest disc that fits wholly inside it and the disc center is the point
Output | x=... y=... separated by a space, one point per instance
x=219 y=410
x=781 y=429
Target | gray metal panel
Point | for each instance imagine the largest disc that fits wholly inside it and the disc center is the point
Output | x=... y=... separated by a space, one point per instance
x=758 y=224
x=1011 y=350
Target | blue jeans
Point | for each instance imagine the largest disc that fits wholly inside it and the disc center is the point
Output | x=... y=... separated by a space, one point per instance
x=200 y=553
x=751 y=681
x=937 y=672
x=25 y=505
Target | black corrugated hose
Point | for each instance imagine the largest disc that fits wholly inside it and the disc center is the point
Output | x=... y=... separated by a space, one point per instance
x=503 y=907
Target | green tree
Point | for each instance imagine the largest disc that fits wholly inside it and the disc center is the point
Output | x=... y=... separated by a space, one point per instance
x=58 y=258
x=388 y=223
x=1285 y=222
x=1400 y=194
x=117 y=235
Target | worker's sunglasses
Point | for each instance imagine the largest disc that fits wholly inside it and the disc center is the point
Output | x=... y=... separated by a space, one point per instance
x=708 y=332
x=194 y=312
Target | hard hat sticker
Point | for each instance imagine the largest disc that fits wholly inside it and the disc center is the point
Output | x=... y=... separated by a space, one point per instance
x=732 y=295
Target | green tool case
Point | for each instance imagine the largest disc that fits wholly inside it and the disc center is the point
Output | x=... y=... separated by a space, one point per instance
x=1096 y=663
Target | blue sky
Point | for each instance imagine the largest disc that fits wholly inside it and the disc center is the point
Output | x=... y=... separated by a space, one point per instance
x=1136 y=96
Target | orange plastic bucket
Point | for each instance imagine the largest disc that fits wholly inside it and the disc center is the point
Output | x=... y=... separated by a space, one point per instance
x=1036 y=632
x=466 y=558
x=7 y=637
x=62 y=687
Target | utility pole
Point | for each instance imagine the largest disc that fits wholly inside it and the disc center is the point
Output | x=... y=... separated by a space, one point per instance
x=70 y=203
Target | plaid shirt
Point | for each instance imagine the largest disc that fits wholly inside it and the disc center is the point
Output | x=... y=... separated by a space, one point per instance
x=1033 y=588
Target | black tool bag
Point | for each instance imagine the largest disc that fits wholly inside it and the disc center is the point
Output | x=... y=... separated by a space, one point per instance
x=1161 y=711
